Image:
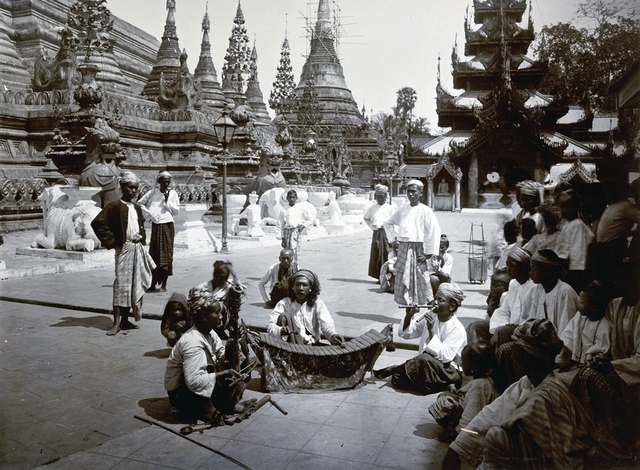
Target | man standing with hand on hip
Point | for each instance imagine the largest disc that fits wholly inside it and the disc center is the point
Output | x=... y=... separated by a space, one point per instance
x=417 y=232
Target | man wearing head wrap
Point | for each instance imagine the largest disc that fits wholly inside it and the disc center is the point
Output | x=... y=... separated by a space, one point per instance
x=160 y=205
x=553 y=298
x=516 y=305
x=120 y=225
x=416 y=230
x=198 y=360
x=442 y=338
x=536 y=422
x=375 y=217
x=529 y=196
x=302 y=317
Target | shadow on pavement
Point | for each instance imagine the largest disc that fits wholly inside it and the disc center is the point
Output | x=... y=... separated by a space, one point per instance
x=160 y=410
x=427 y=430
x=159 y=353
x=372 y=317
x=100 y=322
x=355 y=281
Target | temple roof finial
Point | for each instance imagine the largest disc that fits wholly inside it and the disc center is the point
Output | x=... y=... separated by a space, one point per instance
x=206 y=24
x=286 y=25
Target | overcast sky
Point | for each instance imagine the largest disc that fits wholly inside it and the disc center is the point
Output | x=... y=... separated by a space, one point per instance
x=385 y=44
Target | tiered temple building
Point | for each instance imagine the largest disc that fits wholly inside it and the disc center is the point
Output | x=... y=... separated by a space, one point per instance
x=137 y=100
x=502 y=129
x=330 y=135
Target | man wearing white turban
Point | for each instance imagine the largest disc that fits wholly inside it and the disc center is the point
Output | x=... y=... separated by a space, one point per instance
x=416 y=230
x=375 y=217
x=120 y=225
x=161 y=204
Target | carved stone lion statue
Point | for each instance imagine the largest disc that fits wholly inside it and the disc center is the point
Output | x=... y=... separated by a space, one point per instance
x=66 y=228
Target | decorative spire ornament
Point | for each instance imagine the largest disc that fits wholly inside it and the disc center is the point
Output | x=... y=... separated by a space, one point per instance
x=283 y=98
x=236 y=69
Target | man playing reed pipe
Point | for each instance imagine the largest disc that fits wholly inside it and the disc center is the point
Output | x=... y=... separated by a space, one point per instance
x=442 y=337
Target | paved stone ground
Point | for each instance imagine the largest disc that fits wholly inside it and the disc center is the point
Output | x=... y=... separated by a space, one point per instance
x=69 y=393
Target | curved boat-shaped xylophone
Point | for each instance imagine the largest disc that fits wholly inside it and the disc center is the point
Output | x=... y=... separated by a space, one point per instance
x=289 y=367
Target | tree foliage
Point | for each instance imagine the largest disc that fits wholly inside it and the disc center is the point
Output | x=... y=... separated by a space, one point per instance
x=400 y=124
x=583 y=63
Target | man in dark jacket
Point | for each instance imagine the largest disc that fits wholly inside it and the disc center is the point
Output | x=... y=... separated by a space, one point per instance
x=120 y=225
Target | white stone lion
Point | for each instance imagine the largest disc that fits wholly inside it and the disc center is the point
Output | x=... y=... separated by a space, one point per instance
x=66 y=228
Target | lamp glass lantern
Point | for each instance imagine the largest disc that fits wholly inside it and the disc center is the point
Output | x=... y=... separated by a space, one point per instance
x=224 y=128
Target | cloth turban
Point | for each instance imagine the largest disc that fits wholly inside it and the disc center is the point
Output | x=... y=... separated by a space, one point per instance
x=520 y=255
x=547 y=258
x=381 y=188
x=415 y=182
x=452 y=291
x=538 y=337
x=199 y=299
x=129 y=177
x=312 y=278
x=529 y=188
x=163 y=174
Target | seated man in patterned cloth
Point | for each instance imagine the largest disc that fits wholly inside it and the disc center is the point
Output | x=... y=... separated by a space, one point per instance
x=536 y=422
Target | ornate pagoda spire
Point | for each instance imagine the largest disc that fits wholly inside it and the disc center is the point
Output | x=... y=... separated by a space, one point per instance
x=283 y=97
x=254 y=94
x=236 y=71
x=168 y=58
x=323 y=69
x=205 y=71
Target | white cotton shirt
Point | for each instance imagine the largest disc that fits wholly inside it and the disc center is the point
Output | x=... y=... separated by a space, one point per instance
x=515 y=305
x=558 y=306
x=446 y=343
x=415 y=224
x=190 y=357
x=584 y=337
x=133 y=229
x=377 y=215
x=315 y=320
x=160 y=211
x=293 y=217
x=572 y=244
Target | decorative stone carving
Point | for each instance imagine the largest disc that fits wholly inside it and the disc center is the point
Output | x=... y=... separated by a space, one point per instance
x=67 y=219
x=103 y=155
x=57 y=73
x=88 y=93
x=183 y=93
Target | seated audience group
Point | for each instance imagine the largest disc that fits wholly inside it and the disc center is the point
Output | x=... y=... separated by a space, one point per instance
x=563 y=339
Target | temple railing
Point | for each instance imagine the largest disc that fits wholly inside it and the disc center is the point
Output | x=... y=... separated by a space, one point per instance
x=34 y=98
x=188 y=193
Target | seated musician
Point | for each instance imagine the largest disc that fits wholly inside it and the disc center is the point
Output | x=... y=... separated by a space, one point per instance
x=302 y=317
x=223 y=278
x=197 y=359
x=442 y=338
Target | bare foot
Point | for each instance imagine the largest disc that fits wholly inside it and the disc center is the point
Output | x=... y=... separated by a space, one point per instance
x=244 y=405
x=113 y=331
x=127 y=325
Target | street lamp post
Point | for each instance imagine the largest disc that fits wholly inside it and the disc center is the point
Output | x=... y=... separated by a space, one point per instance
x=224 y=128
x=391 y=161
